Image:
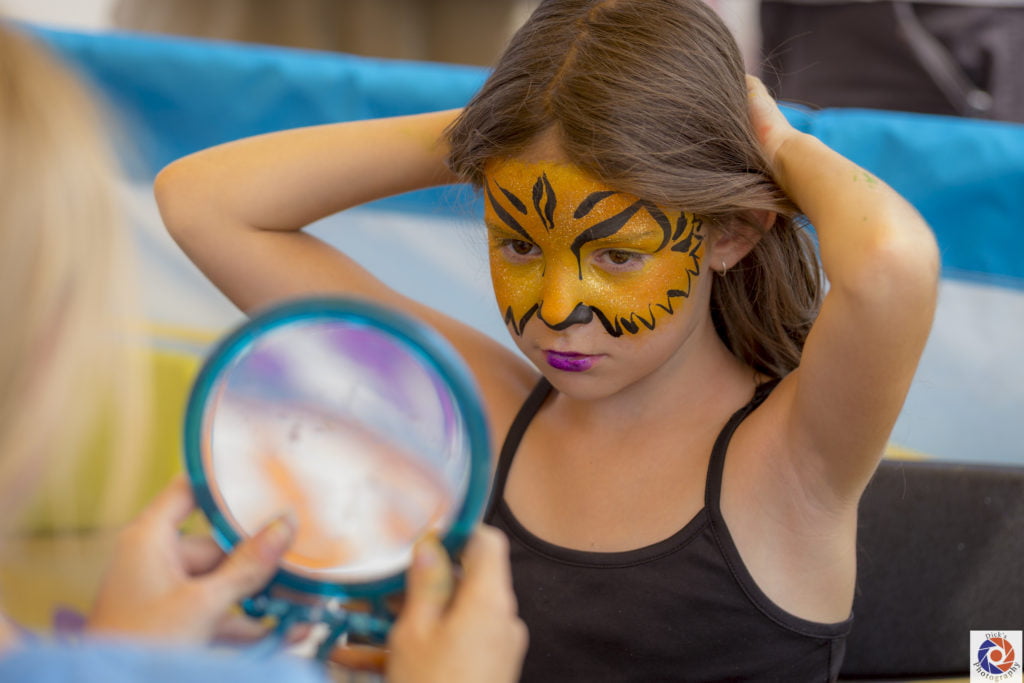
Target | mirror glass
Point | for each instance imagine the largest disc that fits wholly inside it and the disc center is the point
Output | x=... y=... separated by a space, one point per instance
x=351 y=424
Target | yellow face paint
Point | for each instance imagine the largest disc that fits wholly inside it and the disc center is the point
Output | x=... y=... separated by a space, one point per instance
x=566 y=248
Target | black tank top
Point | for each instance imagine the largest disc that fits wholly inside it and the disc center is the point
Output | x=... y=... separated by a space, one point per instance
x=682 y=609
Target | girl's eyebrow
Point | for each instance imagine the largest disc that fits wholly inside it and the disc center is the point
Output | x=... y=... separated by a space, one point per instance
x=502 y=229
x=605 y=228
x=652 y=234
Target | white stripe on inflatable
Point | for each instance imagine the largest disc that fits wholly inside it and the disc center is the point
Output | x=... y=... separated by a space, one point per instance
x=967 y=401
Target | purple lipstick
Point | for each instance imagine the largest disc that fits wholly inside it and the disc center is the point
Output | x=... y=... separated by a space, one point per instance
x=570 y=362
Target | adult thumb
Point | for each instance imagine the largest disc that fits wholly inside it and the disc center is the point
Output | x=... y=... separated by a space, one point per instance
x=429 y=584
x=253 y=562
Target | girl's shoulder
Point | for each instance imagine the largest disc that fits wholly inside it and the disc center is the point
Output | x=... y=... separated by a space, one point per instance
x=505 y=386
x=503 y=377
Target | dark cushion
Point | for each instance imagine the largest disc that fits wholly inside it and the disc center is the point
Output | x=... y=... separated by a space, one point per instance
x=940 y=553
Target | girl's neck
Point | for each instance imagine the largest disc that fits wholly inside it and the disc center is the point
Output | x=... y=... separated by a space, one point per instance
x=700 y=381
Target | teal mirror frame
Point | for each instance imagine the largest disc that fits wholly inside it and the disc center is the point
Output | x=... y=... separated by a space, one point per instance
x=430 y=349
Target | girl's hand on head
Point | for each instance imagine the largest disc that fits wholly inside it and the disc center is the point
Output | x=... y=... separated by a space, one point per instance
x=469 y=632
x=770 y=124
x=183 y=590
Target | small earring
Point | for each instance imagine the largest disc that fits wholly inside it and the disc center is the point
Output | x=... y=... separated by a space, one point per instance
x=725 y=268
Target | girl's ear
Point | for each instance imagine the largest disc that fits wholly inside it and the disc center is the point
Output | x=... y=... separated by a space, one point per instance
x=733 y=241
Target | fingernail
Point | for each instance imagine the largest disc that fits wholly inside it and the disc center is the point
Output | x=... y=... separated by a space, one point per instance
x=278 y=535
x=425 y=554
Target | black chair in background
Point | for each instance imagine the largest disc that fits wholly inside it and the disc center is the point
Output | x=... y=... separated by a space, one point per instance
x=951 y=57
x=940 y=553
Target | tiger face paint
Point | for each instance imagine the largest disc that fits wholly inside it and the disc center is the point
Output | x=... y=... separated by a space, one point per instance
x=566 y=248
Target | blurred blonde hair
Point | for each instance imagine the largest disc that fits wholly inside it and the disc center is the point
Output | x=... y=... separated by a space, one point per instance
x=68 y=308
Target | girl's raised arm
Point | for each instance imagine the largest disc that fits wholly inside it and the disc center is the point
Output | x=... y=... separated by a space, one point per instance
x=237 y=210
x=882 y=264
x=231 y=207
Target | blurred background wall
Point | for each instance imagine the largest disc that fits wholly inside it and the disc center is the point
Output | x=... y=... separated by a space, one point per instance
x=459 y=31
x=74 y=14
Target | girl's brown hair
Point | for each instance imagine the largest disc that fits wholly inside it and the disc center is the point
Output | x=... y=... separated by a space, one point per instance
x=650 y=97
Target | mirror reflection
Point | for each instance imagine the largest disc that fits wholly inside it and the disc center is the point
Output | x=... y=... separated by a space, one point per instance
x=351 y=429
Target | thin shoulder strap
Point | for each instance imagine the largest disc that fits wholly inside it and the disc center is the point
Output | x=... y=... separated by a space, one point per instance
x=713 y=483
x=515 y=434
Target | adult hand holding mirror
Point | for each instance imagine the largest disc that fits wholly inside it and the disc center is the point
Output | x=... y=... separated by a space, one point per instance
x=361 y=422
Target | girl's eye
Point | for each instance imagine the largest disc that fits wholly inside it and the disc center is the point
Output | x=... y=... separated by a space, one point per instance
x=518 y=250
x=620 y=260
x=520 y=247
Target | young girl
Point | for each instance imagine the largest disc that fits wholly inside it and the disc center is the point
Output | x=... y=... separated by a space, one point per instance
x=66 y=309
x=687 y=440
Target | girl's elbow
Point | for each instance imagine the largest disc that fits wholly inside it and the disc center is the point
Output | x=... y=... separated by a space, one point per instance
x=174 y=197
x=906 y=269
x=914 y=260
x=900 y=270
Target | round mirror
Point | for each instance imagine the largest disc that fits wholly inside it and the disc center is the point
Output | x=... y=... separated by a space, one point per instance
x=363 y=423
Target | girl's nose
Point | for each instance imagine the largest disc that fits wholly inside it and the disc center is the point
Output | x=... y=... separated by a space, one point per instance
x=580 y=315
x=562 y=302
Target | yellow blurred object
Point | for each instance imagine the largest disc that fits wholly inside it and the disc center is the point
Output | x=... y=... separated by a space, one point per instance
x=76 y=500
x=896 y=452
x=41 y=574
x=58 y=553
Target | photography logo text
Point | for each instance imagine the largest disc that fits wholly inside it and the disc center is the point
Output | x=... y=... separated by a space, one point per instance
x=996 y=656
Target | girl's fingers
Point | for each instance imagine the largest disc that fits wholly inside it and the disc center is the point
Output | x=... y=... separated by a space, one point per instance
x=770 y=124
